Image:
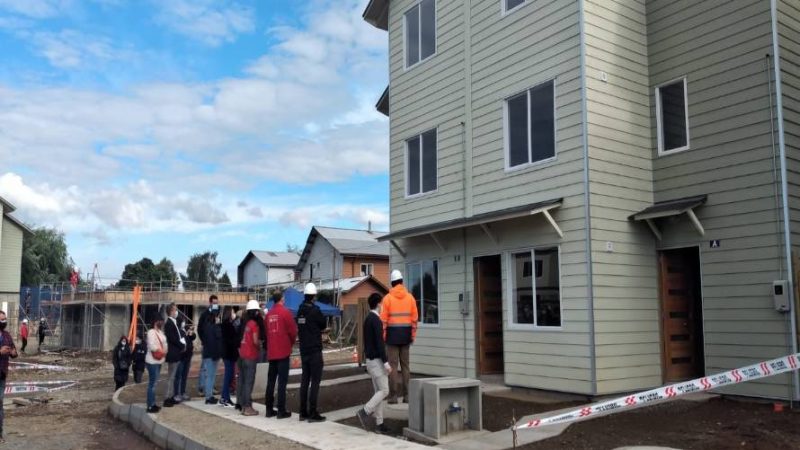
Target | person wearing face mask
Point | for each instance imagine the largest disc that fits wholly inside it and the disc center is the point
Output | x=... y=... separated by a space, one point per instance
x=377 y=365
x=177 y=345
x=121 y=358
x=230 y=353
x=139 y=355
x=212 y=300
x=7 y=350
x=211 y=336
x=310 y=323
x=156 y=354
x=186 y=364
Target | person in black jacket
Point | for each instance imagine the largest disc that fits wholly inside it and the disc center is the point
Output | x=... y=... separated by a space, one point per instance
x=121 y=359
x=310 y=324
x=230 y=352
x=377 y=365
x=139 y=353
x=176 y=344
x=213 y=305
x=186 y=363
x=211 y=336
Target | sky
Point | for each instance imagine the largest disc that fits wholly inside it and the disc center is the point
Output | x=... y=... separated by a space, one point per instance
x=163 y=128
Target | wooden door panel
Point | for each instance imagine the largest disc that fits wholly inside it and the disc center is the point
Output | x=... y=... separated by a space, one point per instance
x=679 y=279
x=488 y=288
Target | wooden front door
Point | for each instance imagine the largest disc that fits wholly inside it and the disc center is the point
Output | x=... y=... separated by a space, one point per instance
x=681 y=314
x=489 y=305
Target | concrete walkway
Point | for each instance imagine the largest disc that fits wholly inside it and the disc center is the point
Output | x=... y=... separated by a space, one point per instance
x=327 y=435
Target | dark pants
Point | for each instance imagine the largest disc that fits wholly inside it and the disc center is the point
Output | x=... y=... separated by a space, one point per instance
x=120 y=378
x=230 y=369
x=309 y=383
x=24 y=344
x=2 y=395
x=247 y=378
x=279 y=369
x=398 y=382
x=186 y=364
x=41 y=340
x=137 y=374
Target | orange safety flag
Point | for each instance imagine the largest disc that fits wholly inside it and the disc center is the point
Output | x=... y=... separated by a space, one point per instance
x=137 y=298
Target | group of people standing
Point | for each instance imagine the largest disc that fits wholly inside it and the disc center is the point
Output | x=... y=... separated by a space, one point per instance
x=243 y=340
x=24 y=332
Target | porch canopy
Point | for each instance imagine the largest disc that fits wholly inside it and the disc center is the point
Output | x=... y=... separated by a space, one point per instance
x=672 y=208
x=481 y=220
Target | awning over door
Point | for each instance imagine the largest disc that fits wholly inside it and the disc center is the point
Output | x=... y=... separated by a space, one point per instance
x=672 y=208
x=481 y=220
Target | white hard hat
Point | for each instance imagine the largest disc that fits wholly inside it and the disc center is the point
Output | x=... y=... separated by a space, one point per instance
x=310 y=289
x=24 y=320
x=396 y=276
x=252 y=304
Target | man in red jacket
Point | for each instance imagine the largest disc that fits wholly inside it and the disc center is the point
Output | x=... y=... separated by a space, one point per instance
x=23 y=333
x=281 y=335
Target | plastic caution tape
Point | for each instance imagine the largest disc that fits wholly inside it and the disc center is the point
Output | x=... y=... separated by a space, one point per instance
x=33 y=386
x=763 y=369
x=31 y=366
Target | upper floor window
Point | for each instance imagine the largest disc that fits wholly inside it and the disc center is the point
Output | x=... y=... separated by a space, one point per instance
x=366 y=269
x=421 y=160
x=508 y=5
x=420 y=32
x=672 y=113
x=530 y=134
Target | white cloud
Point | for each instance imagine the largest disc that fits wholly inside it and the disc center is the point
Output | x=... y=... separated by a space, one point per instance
x=209 y=21
x=37 y=9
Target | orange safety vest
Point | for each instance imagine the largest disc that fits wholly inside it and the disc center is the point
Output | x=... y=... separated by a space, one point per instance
x=399 y=315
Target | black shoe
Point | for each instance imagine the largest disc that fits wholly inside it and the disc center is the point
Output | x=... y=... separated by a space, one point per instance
x=154 y=409
x=316 y=418
x=303 y=417
x=363 y=417
x=169 y=403
x=226 y=403
x=405 y=400
x=212 y=401
x=382 y=429
x=271 y=412
x=284 y=414
x=238 y=407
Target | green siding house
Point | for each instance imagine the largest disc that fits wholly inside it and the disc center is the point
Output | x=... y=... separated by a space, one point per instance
x=12 y=232
x=596 y=196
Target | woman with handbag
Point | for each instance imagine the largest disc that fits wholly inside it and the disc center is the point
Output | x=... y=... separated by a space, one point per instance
x=156 y=354
x=122 y=362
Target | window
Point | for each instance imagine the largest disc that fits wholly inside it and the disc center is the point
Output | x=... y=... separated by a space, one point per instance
x=421 y=163
x=420 y=31
x=508 y=5
x=530 y=126
x=672 y=112
x=536 y=288
x=423 y=283
x=366 y=269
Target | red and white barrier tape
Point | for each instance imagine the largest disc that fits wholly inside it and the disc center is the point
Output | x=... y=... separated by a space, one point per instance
x=31 y=366
x=763 y=369
x=27 y=387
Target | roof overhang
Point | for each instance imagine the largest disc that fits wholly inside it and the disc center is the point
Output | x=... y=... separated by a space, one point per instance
x=25 y=229
x=481 y=220
x=377 y=14
x=383 y=103
x=671 y=208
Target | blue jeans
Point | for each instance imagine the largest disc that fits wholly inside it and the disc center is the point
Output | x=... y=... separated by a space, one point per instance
x=2 y=396
x=186 y=364
x=153 y=370
x=230 y=370
x=210 y=366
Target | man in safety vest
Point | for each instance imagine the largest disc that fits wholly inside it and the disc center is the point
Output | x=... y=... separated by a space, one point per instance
x=399 y=316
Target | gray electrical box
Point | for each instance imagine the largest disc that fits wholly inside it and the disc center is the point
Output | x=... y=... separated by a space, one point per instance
x=780 y=295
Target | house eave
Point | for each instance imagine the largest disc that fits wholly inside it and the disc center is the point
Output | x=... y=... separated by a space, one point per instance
x=377 y=14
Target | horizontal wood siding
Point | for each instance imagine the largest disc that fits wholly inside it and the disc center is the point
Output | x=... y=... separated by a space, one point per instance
x=10 y=256
x=322 y=253
x=789 y=39
x=543 y=359
x=720 y=47
x=621 y=177
x=254 y=273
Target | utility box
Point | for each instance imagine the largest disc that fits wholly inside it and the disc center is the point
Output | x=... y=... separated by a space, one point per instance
x=443 y=407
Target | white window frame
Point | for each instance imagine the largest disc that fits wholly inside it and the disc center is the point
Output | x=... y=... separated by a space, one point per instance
x=505 y=12
x=370 y=269
x=506 y=130
x=420 y=323
x=435 y=32
x=510 y=305
x=660 y=119
x=406 y=164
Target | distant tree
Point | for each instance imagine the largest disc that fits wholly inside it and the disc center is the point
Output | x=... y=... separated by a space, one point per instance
x=293 y=248
x=45 y=258
x=225 y=281
x=203 y=268
x=144 y=272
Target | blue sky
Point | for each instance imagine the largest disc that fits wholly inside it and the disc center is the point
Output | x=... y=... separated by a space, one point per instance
x=168 y=127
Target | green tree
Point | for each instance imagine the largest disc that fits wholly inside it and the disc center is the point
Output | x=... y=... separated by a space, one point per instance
x=45 y=258
x=202 y=268
x=145 y=271
x=225 y=281
x=293 y=248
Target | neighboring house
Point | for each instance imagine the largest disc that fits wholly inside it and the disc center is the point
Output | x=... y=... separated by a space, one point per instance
x=264 y=268
x=334 y=254
x=12 y=232
x=588 y=187
x=352 y=290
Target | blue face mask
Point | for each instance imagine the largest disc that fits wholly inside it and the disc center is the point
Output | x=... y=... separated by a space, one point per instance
x=214 y=308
